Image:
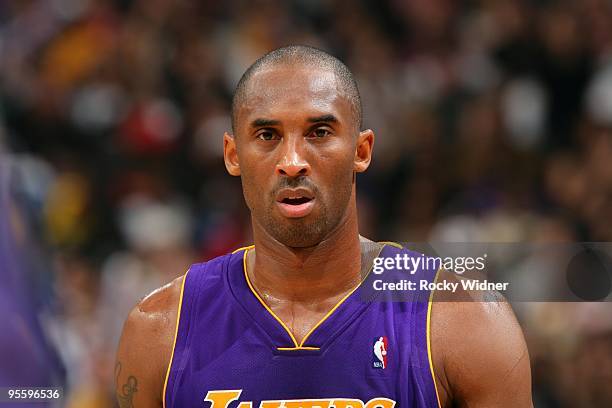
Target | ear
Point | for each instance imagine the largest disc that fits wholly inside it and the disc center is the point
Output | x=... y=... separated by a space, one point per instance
x=363 y=151
x=230 y=155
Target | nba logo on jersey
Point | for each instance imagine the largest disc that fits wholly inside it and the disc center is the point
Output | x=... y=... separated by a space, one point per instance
x=379 y=350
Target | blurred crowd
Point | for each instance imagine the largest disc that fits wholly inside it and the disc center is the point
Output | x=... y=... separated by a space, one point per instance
x=493 y=122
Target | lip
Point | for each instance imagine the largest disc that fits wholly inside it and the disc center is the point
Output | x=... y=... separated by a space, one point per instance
x=295 y=210
x=294 y=193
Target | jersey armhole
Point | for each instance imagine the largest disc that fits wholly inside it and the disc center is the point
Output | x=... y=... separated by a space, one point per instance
x=178 y=320
x=429 y=355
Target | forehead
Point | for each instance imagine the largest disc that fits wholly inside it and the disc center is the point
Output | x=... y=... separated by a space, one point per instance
x=286 y=92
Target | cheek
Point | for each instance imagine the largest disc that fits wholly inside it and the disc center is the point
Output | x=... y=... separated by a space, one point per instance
x=339 y=152
x=251 y=190
x=249 y=197
x=250 y=186
x=256 y=178
x=338 y=166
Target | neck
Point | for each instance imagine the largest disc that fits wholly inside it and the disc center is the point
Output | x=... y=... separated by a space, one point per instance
x=324 y=271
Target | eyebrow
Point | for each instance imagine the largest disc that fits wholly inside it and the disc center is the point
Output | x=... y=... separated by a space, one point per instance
x=323 y=118
x=261 y=122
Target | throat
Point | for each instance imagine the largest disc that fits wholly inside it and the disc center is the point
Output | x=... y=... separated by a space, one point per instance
x=304 y=298
x=303 y=318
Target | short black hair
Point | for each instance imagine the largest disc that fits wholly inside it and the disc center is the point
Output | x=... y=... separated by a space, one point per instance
x=305 y=55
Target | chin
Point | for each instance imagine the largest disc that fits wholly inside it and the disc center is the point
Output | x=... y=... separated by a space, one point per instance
x=301 y=234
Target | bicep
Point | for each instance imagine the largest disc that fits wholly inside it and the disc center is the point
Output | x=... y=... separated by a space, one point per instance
x=137 y=366
x=485 y=358
x=495 y=369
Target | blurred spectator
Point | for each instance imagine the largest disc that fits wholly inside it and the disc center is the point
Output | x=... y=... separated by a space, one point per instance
x=28 y=358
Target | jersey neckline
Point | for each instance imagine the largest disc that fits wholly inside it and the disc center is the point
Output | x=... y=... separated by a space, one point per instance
x=283 y=340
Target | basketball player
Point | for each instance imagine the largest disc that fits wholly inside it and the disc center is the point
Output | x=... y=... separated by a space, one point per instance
x=282 y=323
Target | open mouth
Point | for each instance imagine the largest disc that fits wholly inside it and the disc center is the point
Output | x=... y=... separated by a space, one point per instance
x=295 y=203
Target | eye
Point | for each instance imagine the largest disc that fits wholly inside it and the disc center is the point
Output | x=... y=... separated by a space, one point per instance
x=266 y=134
x=320 y=132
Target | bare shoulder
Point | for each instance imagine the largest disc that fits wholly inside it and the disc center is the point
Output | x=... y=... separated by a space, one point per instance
x=146 y=346
x=479 y=352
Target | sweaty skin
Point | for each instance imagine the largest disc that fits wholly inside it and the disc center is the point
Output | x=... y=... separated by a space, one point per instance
x=296 y=130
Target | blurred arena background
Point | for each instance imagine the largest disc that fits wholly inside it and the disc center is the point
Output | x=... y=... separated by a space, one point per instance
x=493 y=123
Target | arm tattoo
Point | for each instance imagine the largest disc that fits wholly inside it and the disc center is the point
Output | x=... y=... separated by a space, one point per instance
x=126 y=394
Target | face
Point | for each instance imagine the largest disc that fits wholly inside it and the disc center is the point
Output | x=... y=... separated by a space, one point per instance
x=297 y=147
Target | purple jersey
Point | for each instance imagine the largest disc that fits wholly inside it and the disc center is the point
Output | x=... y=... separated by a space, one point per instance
x=232 y=351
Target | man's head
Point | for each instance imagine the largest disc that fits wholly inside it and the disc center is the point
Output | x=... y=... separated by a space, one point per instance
x=297 y=144
x=301 y=55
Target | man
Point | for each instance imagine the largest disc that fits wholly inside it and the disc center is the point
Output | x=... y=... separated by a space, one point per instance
x=281 y=323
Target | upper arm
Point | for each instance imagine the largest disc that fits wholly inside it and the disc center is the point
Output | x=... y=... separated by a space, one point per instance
x=145 y=348
x=480 y=355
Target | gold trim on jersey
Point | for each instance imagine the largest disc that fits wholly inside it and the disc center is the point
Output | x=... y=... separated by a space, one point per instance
x=246 y=275
x=299 y=345
x=178 y=319
x=429 y=357
x=392 y=243
x=241 y=248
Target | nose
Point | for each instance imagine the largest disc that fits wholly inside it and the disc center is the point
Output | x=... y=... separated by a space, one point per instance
x=292 y=162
